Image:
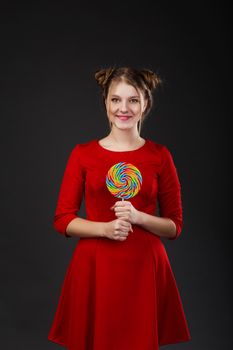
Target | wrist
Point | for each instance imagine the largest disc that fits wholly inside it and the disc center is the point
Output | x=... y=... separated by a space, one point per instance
x=139 y=218
x=103 y=229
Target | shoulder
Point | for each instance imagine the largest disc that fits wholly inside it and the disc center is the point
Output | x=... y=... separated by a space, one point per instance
x=161 y=152
x=82 y=152
x=79 y=155
x=157 y=147
x=84 y=147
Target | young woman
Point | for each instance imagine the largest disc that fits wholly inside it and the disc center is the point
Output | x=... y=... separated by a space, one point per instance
x=119 y=292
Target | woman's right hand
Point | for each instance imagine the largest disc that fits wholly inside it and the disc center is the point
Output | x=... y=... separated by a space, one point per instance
x=117 y=229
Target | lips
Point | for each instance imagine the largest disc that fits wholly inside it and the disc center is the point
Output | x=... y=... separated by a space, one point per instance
x=123 y=117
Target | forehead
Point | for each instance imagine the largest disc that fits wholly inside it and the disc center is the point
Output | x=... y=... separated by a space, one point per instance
x=121 y=88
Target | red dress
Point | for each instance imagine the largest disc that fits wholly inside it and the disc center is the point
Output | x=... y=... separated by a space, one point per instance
x=119 y=295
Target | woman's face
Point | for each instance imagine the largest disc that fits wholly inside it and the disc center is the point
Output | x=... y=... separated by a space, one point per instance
x=124 y=105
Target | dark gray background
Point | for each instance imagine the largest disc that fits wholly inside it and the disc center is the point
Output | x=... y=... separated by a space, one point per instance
x=50 y=102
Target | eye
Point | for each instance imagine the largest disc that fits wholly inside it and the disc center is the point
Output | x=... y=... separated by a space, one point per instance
x=114 y=99
x=134 y=100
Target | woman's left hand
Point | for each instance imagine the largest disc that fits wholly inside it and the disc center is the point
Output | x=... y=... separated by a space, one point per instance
x=126 y=211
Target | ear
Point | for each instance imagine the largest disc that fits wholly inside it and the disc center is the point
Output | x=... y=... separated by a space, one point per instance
x=145 y=105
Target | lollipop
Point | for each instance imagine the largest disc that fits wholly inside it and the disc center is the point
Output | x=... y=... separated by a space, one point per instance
x=124 y=180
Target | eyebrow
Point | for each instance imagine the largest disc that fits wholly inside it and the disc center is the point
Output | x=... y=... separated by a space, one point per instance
x=129 y=97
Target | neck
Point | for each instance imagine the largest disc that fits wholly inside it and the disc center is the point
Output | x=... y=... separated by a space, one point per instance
x=124 y=137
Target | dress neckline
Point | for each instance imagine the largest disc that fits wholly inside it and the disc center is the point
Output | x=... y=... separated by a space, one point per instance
x=117 y=152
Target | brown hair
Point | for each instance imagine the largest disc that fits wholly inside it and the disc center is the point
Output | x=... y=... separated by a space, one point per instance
x=145 y=80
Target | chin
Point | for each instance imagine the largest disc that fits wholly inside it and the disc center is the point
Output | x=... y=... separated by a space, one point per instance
x=127 y=124
x=128 y=127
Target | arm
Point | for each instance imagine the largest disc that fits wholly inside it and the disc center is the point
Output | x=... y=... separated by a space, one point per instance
x=80 y=227
x=160 y=226
x=170 y=222
x=66 y=221
x=169 y=193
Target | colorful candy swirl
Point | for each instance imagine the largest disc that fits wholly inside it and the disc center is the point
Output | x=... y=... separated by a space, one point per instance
x=124 y=180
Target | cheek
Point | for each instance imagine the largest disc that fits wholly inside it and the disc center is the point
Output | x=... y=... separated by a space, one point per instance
x=136 y=108
x=112 y=108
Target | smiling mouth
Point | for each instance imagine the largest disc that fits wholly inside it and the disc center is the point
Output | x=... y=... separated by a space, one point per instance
x=123 y=117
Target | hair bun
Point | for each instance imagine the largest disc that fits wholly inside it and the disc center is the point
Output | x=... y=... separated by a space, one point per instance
x=151 y=79
x=102 y=75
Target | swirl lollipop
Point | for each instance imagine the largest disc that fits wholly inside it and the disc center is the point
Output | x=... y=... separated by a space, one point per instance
x=123 y=180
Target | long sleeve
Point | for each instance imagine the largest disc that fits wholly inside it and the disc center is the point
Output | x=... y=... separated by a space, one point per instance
x=169 y=192
x=71 y=192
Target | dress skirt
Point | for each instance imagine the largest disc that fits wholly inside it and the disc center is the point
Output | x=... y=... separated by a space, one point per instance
x=119 y=295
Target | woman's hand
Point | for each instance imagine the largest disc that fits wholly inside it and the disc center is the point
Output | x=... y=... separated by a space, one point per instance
x=126 y=211
x=117 y=229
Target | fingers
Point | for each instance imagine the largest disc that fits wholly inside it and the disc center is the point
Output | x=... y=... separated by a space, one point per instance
x=122 y=230
x=121 y=205
x=123 y=216
x=124 y=223
x=126 y=226
x=120 y=236
x=123 y=210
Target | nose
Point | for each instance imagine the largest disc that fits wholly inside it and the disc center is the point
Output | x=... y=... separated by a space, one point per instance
x=123 y=107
